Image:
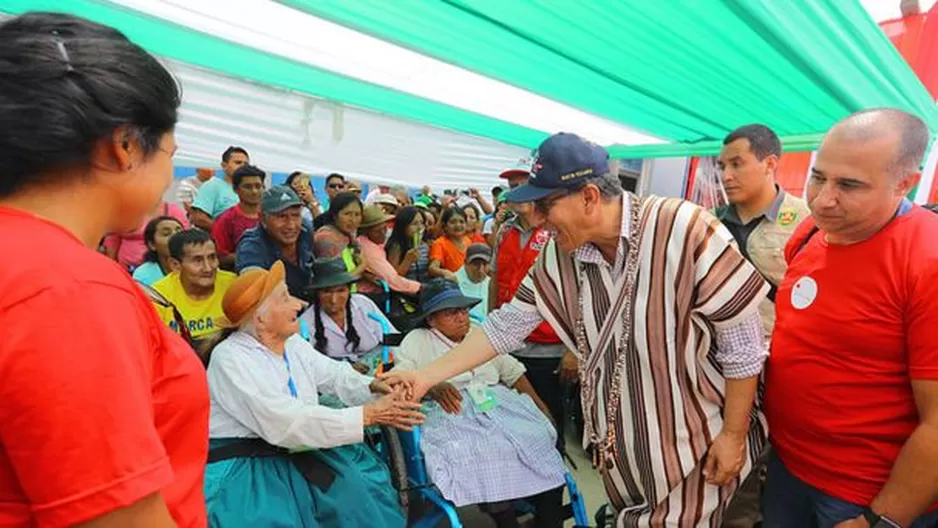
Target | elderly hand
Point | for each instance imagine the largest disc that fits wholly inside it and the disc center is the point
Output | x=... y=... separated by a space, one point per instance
x=377 y=386
x=394 y=411
x=447 y=396
x=411 y=381
x=725 y=458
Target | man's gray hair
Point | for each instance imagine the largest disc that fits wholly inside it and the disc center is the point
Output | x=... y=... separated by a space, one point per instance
x=609 y=184
x=873 y=123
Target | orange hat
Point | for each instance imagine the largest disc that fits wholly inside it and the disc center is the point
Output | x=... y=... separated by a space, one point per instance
x=247 y=292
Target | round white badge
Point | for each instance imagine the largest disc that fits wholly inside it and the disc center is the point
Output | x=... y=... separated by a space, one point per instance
x=803 y=293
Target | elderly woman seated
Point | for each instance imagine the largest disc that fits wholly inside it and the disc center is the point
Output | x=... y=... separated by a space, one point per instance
x=338 y=319
x=485 y=443
x=277 y=457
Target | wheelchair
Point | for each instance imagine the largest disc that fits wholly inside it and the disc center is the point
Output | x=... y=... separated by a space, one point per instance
x=423 y=504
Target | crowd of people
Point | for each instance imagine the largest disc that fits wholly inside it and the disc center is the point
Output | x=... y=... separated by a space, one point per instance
x=219 y=360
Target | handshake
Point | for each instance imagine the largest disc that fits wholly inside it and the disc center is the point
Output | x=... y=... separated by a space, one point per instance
x=399 y=405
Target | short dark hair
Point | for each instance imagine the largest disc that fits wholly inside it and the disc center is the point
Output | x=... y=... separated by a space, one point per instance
x=226 y=155
x=449 y=213
x=762 y=140
x=474 y=208
x=149 y=235
x=187 y=237
x=333 y=176
x=67 y=82
x=497 y=191
x=247 y=171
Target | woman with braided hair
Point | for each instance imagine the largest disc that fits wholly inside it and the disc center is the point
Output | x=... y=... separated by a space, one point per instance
x=339 y=320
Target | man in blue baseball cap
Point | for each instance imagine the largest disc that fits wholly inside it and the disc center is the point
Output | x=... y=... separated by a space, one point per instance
x=661 y=311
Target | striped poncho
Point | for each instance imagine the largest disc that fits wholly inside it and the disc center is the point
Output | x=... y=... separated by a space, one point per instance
x=645 y=330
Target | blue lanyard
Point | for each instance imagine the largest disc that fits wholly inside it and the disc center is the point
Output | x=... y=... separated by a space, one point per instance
x=290 y=384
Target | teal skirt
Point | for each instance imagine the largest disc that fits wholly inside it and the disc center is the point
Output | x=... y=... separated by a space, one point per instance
x=271 y=492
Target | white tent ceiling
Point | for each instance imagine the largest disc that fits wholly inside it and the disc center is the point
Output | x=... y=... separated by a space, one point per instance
x=286 y=131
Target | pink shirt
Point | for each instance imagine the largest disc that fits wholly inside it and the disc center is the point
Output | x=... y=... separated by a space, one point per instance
x=130 y=246
x=377 y=262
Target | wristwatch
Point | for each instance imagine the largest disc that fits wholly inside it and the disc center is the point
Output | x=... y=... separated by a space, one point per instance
x=876 y=520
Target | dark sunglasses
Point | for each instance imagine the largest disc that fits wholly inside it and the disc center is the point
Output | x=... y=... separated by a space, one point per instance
x=544 y=205
x=336 y=185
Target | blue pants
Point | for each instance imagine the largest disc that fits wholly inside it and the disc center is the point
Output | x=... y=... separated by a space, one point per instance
x=789 y=502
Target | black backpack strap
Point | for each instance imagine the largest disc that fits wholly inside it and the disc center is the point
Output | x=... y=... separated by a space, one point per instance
x=805 y=240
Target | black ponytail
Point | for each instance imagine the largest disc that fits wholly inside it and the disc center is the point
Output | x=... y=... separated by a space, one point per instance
x=351 y=335
x=320 y=334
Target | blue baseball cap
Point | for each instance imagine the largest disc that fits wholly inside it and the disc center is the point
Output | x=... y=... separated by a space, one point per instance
x=562 y=161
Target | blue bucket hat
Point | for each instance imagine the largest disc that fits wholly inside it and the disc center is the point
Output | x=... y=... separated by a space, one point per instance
x=562 y=161
x=442 y=294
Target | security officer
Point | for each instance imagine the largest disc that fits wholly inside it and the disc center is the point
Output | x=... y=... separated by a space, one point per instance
x=762 y=217
x=760 y=214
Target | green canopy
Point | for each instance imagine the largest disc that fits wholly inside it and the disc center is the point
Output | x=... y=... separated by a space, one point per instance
x=685 y=72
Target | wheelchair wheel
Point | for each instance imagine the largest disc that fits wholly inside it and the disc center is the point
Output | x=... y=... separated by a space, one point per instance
x=397 y=465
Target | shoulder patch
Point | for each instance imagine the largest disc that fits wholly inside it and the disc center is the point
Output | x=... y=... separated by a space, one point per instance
x=787 y=216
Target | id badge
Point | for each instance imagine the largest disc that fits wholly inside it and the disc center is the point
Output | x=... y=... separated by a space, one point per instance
x=482 y=396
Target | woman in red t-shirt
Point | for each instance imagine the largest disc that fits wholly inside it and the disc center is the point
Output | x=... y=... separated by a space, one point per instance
x=104 y=414
x=449 y=251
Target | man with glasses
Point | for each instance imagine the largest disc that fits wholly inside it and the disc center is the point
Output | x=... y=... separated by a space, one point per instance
x=661 y=311
x=335 y=184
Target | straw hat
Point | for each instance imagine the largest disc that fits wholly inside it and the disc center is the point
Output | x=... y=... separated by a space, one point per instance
x=442 y=294
x=374 y=215
x=247 y=292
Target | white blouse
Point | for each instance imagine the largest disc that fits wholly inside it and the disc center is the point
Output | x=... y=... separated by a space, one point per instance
x=423 y=346
x=369 y=331
x=251 y=397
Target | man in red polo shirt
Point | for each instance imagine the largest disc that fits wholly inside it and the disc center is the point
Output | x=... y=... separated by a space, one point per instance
x=852 y=380
x=248 y=183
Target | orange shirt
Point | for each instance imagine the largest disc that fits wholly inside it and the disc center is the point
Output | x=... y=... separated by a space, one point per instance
x=447 y=254
x=476 y=238
x=102 y=405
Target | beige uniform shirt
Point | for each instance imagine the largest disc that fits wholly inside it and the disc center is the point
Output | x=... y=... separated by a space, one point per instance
x=763 y=241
